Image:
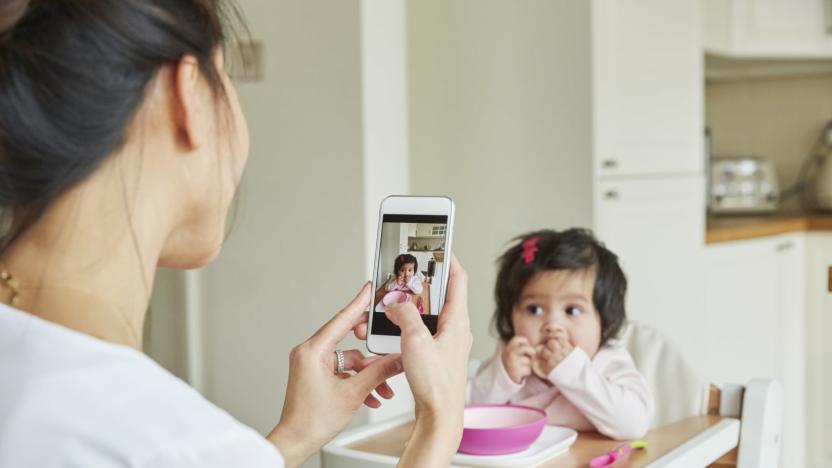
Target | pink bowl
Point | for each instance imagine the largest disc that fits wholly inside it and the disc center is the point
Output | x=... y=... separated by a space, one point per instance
x=395 y=297
x=500 y=429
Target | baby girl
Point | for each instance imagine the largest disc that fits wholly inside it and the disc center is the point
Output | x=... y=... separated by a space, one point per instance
x=560 y=305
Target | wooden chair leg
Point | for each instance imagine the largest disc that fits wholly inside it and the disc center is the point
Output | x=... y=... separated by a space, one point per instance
x=426 y=298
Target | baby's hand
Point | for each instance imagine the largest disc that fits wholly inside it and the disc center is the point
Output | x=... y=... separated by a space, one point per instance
x=517 y=358
x=550 y=354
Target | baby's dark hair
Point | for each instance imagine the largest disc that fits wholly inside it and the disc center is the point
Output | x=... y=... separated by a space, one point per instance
x=573 y=250
x=403 y=260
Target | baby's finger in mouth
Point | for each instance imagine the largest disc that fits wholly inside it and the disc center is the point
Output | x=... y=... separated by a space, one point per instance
x=538 y=366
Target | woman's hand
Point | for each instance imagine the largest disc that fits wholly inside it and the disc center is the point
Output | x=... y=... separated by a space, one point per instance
x=320 y=403
x=436 y=368
x=517 y=358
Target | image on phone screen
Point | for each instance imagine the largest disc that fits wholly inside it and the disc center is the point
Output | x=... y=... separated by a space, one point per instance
x=411 y=268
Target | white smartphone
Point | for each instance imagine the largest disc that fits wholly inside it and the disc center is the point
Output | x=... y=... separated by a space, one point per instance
x=413 y=256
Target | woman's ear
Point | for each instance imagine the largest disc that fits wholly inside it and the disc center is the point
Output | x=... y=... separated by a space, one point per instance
x=189 y=114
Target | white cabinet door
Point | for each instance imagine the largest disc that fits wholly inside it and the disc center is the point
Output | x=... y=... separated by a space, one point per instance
x=819 y=351
x=647 y=83
x=742 y=319
x=791 y=306
x=422 y=230
x=768 y=28
x=755 y=323
x=656 y=226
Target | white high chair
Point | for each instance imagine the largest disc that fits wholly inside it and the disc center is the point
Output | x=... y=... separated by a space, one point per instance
x=679 y=392
x=749 y=436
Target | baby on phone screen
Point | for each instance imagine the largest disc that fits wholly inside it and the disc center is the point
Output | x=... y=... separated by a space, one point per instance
x=406 y=284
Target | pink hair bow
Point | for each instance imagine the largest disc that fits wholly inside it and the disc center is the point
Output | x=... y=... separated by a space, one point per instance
x=530 y=249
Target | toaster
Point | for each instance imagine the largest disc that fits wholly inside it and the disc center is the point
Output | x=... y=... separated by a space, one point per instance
x=742 y=185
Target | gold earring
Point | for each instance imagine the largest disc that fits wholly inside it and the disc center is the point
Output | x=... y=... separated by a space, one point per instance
x=12 y=285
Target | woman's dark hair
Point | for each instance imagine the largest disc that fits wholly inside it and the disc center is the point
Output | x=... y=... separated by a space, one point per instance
x=403 y=260
x=73 y=74
x=571 y=250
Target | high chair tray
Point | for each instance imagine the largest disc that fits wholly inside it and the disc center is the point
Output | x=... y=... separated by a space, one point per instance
x=691 y=441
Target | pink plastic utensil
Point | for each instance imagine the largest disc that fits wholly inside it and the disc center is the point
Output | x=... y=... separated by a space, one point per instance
x=609 y=459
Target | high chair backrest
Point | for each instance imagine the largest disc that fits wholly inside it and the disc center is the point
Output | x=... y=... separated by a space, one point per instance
x=678 y=391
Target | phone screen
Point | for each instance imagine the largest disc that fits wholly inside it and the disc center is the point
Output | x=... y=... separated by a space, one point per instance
x=411 y=268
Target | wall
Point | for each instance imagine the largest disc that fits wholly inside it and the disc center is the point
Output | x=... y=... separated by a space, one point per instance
x=779 y=119
x=390 y=239
x=500 y=121
x=301 y=223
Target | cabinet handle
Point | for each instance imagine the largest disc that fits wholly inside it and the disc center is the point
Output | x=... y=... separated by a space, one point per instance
x=612 y=163
x=784 y=246
x=611 y=195
x=830 y=280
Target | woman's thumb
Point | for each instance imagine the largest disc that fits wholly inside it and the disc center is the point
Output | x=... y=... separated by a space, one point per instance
x=407 y=317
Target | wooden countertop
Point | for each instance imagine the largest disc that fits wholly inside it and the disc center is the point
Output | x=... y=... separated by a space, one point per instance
x=733 y=228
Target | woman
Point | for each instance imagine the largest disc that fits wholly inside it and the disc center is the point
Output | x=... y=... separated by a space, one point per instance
x=121 y=146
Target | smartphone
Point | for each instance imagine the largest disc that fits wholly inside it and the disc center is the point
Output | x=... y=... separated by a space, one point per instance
x=412 y=259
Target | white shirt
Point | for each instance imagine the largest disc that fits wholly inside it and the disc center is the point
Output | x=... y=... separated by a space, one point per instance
x=71 y=400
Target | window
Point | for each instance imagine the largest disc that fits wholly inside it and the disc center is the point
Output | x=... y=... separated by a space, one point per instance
x=438 y=230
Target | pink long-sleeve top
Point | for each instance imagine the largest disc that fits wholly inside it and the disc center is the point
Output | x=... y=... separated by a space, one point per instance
x=606 y=393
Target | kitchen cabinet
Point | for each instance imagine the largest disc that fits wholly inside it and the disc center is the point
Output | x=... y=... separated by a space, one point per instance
x=819 y=350
x=427 y=238
x=788 y=29
x=648 y=158
x=655 y=226
x=647 y=87
x=755 y=322
x=430 y=230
